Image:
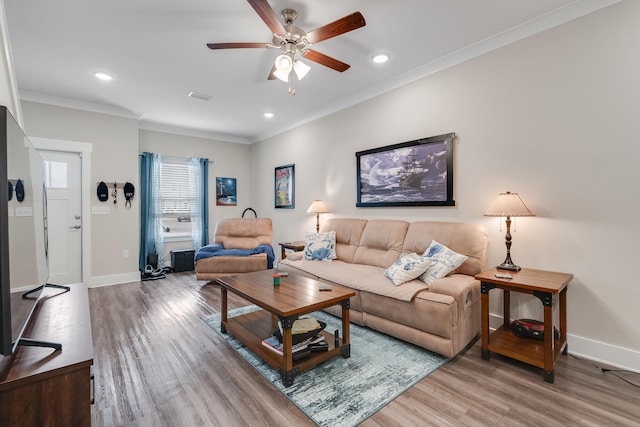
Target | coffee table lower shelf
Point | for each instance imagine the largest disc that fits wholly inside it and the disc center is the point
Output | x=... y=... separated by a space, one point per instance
x=250 y=329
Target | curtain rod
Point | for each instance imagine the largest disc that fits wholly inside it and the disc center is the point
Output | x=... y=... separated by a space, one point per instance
x=175 y=157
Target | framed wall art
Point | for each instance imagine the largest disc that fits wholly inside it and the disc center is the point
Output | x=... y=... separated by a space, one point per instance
x=226 y=192
x=414 y=173
x=285 y=186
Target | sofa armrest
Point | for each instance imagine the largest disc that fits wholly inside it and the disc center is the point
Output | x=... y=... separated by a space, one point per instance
x=463 y=288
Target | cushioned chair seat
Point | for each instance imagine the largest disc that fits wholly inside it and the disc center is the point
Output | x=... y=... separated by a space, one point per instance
x=237 y=233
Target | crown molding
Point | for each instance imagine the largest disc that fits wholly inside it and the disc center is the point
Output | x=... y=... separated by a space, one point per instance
x=59 y=101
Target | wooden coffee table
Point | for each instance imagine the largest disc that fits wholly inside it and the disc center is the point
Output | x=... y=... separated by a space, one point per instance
x=297 y=295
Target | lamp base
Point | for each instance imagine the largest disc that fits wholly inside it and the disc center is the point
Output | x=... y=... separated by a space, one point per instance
x=510 y=267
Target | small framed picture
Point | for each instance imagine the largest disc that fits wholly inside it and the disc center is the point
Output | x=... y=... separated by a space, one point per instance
x=285 y=186
x=226 y=192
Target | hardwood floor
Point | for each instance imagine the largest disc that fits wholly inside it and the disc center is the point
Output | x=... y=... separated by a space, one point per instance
x=156 y=363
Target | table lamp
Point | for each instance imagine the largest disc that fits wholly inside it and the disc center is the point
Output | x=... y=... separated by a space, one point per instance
x=317 y=207
x=508 y=204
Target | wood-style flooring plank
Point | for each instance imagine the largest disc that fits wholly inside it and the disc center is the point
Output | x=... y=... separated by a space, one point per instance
x=156 y=363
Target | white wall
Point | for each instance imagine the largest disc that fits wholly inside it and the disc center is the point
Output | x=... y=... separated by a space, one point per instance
x=554 y=118
x=229 y=160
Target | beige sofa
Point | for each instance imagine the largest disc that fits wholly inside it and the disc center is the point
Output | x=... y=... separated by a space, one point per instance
x=443 y=317
x=242 y=234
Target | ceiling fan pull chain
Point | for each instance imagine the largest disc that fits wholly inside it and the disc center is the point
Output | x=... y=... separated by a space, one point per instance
x=292 y=89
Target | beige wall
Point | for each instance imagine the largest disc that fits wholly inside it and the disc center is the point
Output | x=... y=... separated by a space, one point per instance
x=8 y=87
x=116 y=142
x=226 y=159
x=553 y=117
x=114 y=155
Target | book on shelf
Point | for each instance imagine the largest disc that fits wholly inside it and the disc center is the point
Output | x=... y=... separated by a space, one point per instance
x=274 y=344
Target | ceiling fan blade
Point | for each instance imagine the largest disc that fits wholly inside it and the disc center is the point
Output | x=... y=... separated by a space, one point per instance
x=267 y=14
x=341 y=26
x=240 y=45
x=327 y=61
x=271 y=75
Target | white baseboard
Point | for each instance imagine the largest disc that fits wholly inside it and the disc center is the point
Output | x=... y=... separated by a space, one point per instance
x=609 y=354
x=597 y=351
x=113 y=279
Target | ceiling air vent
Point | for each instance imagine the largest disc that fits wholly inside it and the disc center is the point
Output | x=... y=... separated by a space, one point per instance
x=201 y=96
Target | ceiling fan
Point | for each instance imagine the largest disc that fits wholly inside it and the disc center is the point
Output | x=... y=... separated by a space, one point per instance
x=292 y=40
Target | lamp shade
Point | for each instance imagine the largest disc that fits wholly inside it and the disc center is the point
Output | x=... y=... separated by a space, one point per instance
x=317 y=207
x=508 y=204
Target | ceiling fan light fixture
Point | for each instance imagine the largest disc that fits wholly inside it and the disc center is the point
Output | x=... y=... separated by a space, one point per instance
x=301 y=69
x=282 y=75
x=284 y=63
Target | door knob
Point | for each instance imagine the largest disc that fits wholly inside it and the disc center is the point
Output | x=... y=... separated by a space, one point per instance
x=77 y=217
x=76 y=227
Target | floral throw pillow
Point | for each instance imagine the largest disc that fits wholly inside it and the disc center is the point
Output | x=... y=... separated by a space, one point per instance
x=444 y=261
x=407 y=267
x=320 y=246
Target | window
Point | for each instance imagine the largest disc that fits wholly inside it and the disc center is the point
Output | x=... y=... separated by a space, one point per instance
x=55 y=174
x=179 y=195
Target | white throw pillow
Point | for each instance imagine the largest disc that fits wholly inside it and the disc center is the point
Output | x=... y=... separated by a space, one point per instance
x=407 y=267
x=444 y=261
x=320 y=246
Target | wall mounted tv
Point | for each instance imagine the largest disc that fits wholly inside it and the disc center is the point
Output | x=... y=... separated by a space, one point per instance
x=24 y=267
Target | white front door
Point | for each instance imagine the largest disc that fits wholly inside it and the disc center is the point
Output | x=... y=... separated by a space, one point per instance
x=63 y=177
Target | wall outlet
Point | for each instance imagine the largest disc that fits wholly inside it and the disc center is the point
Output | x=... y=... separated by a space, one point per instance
x=125 y=254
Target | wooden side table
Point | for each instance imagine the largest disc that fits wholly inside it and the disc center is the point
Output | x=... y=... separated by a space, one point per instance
x=542 y=284
x=294 y=246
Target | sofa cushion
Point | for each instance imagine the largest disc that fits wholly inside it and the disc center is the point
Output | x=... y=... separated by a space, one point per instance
x=444 y=261
x=348 y=233
x=320 y=246
x=381 y=242
x=407 y=267
x=464 y=238
x=356 y=276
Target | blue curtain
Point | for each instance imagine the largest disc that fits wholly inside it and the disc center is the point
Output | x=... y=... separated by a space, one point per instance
x=151 y=239
x=200 y=213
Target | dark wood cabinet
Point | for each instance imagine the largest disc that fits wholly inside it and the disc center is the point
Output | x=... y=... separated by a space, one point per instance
x=46 y=387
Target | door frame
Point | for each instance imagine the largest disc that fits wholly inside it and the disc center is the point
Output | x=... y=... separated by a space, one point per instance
x=84 y=150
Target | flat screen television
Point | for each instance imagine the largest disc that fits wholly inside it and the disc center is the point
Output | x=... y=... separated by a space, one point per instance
x=24 y=266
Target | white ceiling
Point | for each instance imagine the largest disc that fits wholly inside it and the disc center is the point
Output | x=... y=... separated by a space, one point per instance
x=156 y=50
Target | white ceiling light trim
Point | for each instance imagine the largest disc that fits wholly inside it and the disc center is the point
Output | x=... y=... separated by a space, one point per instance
x=101 y=75
x=380 y=58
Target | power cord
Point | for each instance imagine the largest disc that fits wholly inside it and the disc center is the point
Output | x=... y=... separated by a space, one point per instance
x=613 y=371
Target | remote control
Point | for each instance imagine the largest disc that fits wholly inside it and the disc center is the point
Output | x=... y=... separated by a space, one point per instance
x=504 y=276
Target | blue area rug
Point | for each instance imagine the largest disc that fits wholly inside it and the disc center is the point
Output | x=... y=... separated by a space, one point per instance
x=345 y=392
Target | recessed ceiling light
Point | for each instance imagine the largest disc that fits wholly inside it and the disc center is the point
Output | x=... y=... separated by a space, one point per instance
x=268 y=115
x=380 y=58
x=103 y=76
